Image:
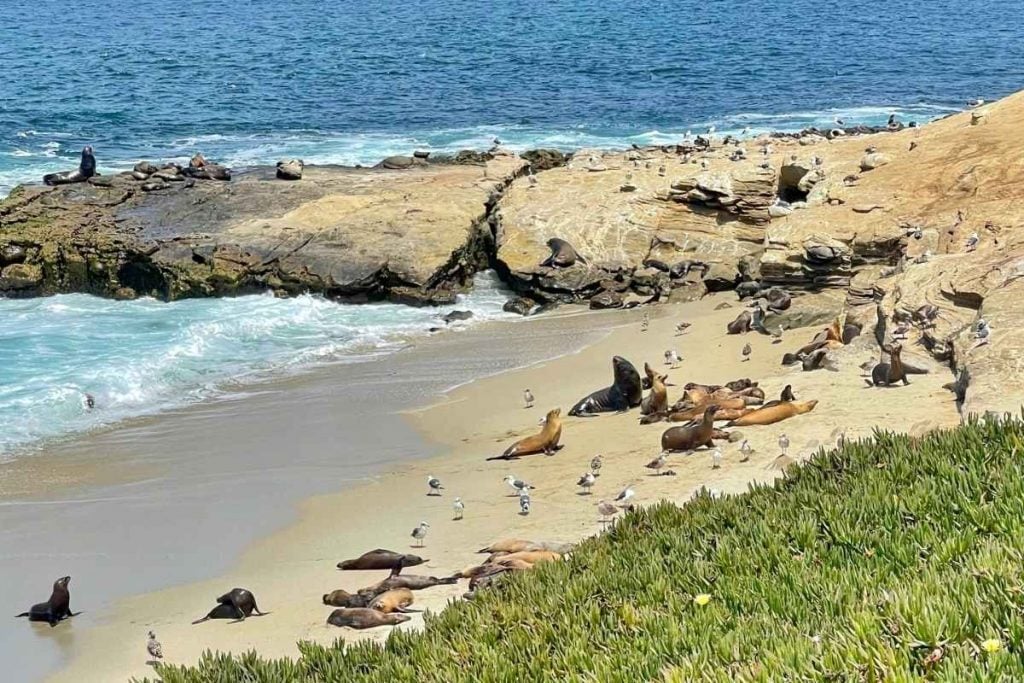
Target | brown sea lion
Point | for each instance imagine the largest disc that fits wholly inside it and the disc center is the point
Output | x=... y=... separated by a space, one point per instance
x=740 y=384
x=513 y=563
x=410 y=581
x=531 y=556
x=623 y=394
x=382 y=559
x=57 y=608
x=394 y=600
x=887 y=374
x=544 y=442
x=342 y=598
x=363 y=617
x=772 y=414
x=696 y=412
x=657 y=400
x=692 y=436
x=741 y=325
x=515 y=545
x=814 y=360
x=778 y=299
x=562 y=255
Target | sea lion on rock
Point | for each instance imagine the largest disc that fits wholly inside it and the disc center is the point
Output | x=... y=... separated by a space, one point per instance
x=741 y=324
x=778 y=299
x=199 y=167
x=887 y=374
x=545 y=442
x=691 y=436
x=86 y=169
x=363 y=617
x=382 y=559
x=394 y=600
x=623 y=394
x=57 y=608
x=563 y=255
x=772 y=414
x=657 y=400
x=342 y=598
x=747 y=289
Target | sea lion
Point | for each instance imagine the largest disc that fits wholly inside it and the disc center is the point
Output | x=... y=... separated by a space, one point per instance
x=342 y=598
x=515 y=545
x=226 y=611
x=562 y=255
x=242 y=600
x=57 y=608
x=363 y=617
x=657 y=400
x=544 y=442
x=741 y=324
x=382 y=559
x=887 y=374
x=531 y=556
x=394 y=600
x=623 y=394
x=410 y=581
x=648 y=379
x=814 y=360
x=696 y=412
x=86 y=169
x=772 y=414
x=691 y=436
x=786 y=395
x=778 y=299
x=747 y=289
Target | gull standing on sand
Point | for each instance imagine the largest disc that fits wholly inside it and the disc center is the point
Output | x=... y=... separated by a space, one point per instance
x=595 y=465
x=662 y=170
x=435 y=486
x=972 y=242
x=716 y=459
x=784 y=443
x=459 y=508
x=901 y=330
x=682 y=327
x=673 y=359
x=607 y=511
x=586 y=482
x=153 y=647
x=746 y=450
x=747 y=351
x=658 y=463
x=646 y=322
x=624 y=495
x=518 y=484
x=983 y=333
x=704 y=164
x=524 y=502
x=420 y=532
x=528 y=398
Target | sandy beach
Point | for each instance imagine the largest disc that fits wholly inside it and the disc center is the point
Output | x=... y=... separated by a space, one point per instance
x=291 y=568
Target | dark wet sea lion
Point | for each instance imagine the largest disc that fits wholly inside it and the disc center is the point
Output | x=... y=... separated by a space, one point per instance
x=741 y=324
x=747 y=289
x=656 y=264
x=86 y=169
x=691 y=436
x=562 y=255
x=223 y=611
x=410 y=581
x=544 y=442
x=242 y=600
x=786 y=395
x=623 y=394
x=57 y=608
x=778 y=299
x=850 y=332
x=814 y=360
x=887 y=374
x=382 y=559
x=363 y=617
x=342 y=598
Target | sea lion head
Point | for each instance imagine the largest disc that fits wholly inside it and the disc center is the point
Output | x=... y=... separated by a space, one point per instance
x=62 y=583
x=553 y=415
x=895 y=349
x=710 y=411
x=411 y=560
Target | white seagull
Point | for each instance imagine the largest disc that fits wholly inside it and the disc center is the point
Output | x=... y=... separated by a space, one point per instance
x=586 y=482
x=625 y=495
x=716 y=459
x=672 y=358
x=528 y=398
x=420 y=532
x=972 y=242
x=658 y=463
x=595 y=465
x=517 y=484
x=459 y=508
x=746 y=450
x=435 y=486
x=784 y=443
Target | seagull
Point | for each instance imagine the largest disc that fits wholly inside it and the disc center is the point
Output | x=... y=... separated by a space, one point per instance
x=915 y=231
x=682 y=327
x=586 y=482
x=607 y=511
x=524 y=502
x=784 y=443
x=435 y=486
x=459 y=508
x=839 y=121
x=595 y=465
x=747 y=351
x=746 y=450
x=672 y=358
x=528 y=398
x=972 y=242
x=983 y=333
x=420 y=532
x=624 y=495
x=901 y=331
x=657 y=464
x=532 y=178
x=716 y=459
x=975 y=103
x=517 y=484
x=777 y=336
x=153 y=647
x=646 y=322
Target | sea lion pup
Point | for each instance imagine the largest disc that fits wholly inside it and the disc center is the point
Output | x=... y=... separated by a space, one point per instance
x=544 y=442
x=623 y=394
x=786 y=395
x=394 y=600
x=741 y=325
x=342 y=598
x=86 y=169
x=364 y=617
x=562 y=255
x=772 y=414
x=887 y=374
x=690 y=437
x=657 y=400
x=382 y=559
x=56 y=609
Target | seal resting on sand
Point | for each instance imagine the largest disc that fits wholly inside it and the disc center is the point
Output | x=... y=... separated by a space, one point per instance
x=741 y=324
x=86 y=169
x=887 y=374
x=657 y=400
x=515 y=545
x=410 y=581
x=545 y=442
x=692 y=436
x=562 y=255
x=772 y=414
x=394 y=600
x=382 y=559
x=57 y=608
x=342 y=598
x=623 y=394
x=363 y=617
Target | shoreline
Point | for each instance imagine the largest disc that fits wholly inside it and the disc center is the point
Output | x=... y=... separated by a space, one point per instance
x=290 y=568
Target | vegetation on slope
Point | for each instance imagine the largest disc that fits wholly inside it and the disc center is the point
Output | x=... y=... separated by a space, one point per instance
x=891 y=559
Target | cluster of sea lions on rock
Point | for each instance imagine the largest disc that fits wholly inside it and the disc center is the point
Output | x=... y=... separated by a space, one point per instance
x=152 y=177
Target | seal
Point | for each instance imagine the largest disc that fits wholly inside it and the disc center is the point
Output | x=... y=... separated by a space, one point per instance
x=86 y=169
x=741 y=324
x=56 y=609
x=562 y=255
x=238 y=603
x=382 y=559
x=623 y=394
x=772 y=414
x=363 y=617
x=515 y=545
x=786 y=395
x=778 y=299
x=656 y=401
x=221 y=612
x=696 y=412
x=692 y=436
x=544 y=442
x=342 y=598
x=530 y=556
x=887 y=374
x=394 y=600
x=409 y=581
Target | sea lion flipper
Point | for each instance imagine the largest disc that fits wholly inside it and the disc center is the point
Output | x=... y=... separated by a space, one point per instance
x=23 y=614
x=199 y=621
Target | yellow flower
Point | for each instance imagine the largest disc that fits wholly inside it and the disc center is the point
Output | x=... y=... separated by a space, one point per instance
x=702 y=599
x=992 y=645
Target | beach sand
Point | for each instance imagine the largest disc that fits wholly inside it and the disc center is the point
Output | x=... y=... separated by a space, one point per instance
x=289 y=570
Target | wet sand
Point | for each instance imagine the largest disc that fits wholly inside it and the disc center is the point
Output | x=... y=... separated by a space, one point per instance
x=290 y=569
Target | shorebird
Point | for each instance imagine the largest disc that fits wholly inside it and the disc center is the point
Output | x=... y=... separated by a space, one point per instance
x=420 y=532
x=746 y=450
x=435 y=486
x=672 y=358
x=528 y=398
x=607 y=511
x=747 y=351
x=682 y=327
x=586 y=482
x=777 y=335
x=153 y=647
x=459 y=508
x=524 y=502
x=658 y=464
x=624 y=495
x=972 y=242
x=517 y=484
x=915 y=231
x=595 y=465
x=975 y=103
x=716 y=459
x=784 y=443
x=983 y=333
